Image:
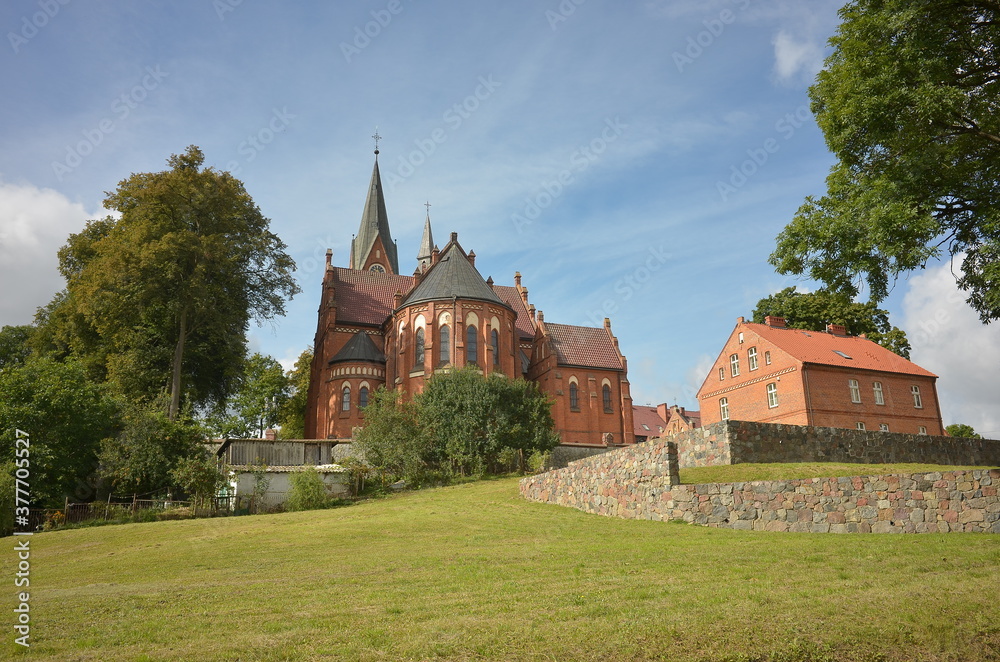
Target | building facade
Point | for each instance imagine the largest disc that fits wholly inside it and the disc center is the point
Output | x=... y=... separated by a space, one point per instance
x=377 y=327
x=773 y=374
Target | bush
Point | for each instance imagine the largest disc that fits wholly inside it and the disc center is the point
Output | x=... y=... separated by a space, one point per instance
x=308 y=492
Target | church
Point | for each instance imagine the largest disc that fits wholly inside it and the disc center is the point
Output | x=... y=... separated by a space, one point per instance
x=379 y=327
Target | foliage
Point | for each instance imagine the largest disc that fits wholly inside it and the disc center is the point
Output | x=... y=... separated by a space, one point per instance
x=7 y=497
x=65 y=415
x=140 y=458
x=14 y=345
x=909 y=104
x=161 y=297
x=814 y=310
x=257 y=402
x=199 y=477
x=461 y=424
x=292 y=417
x=962 y=430
x=307 y=491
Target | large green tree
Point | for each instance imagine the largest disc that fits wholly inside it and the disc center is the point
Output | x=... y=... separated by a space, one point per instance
x=165 y=292
x=292 y=417
x=814 y=310
x=258 y=401
x=909 y=102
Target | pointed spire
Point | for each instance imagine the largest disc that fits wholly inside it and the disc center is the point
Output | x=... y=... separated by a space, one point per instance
x=374 y=225
x=427 y=243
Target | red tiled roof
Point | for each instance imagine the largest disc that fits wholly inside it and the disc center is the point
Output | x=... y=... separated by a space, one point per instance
x=510 y=296
x=648 y=415
x=366 y=297
x=583 y=346
x=821 y=348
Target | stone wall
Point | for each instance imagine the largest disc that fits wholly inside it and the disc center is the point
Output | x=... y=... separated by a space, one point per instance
x=563 y=455
x=953 y=501
x=736 y=442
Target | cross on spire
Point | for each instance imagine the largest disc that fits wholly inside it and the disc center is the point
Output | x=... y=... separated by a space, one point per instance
x=428 y=205
x=377 y=138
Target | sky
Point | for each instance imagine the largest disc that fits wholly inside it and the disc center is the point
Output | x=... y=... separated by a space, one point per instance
x=632 y=159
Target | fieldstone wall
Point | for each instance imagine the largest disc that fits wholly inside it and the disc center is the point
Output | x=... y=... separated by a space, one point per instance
x=954 y=501
x=736 y=442
x=563 y=455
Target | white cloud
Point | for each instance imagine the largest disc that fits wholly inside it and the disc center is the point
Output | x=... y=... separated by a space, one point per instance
x=949 y=340
x=796 y=60
x=34 y=223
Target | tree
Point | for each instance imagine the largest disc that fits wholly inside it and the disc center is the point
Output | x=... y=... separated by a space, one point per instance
x=201 y=477
x=149 y=446
x=65 y=415
x=167 y=290
x=14 y=345
x=814 y=310
x=962 y=430
x=258 y=401
x=292 y=416
x=307 y=491
x=909 y=103
x=392 y=441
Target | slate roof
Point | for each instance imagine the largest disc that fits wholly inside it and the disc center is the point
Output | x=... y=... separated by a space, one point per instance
x=366 y=297
x=512 y=298
x=642 y=414
x=452 y=276
x=359 y=348
x=374 y=223
x=821 y=348
x=583 y=346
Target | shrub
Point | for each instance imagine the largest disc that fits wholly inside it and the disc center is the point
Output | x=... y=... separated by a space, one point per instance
x=308 y=492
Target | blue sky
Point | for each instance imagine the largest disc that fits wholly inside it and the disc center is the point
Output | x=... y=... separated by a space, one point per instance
x=594 y=146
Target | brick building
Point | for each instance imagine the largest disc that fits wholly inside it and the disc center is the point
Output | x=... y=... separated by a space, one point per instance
x=773 y=374
x=377 y=327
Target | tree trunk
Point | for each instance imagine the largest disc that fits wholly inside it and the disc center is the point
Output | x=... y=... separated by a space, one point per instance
x=175 y=382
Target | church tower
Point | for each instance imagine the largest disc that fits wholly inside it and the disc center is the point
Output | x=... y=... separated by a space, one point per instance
x=373 y=248
x=426 y=244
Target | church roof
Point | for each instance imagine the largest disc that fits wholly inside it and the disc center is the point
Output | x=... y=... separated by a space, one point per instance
x=453 y=276
x=512 y=298
x=366 y=297
x=374 y=223
x=583 y=346
x=359 y=348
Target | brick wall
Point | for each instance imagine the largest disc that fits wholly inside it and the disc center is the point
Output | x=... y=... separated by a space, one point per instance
x=736 y=442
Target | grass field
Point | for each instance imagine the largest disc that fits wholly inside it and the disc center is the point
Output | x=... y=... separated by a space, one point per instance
x=474 y=572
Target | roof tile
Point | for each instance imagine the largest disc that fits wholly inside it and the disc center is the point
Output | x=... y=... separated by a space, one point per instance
x=583 y=346
x=366 y=297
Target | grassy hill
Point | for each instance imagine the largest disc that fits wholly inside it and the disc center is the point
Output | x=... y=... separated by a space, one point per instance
x=474 y=572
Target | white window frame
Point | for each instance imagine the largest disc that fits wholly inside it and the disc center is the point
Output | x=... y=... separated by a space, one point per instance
x=855 y=390
x=752 y=358
x=767 y=357
x=879 y=394
x=883 y=427
x=734 y=364
x=722 y=374
x=724 y=408
x=922 y=430
x=772 y=395
x=860 y=425
x=918 y=402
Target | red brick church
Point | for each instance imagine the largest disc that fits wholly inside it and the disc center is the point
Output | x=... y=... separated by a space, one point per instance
x=378 y=327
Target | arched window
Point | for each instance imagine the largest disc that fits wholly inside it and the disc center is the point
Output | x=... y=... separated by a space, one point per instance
x=724 y=408
x=495 y=341
x=418 y=348
x=444 y=349
x=574 y=397
x=363 y=397
x=607 y=399
x=345 y=399
x=471 y=345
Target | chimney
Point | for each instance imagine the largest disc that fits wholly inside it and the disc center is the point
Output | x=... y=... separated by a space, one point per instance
x=270 y=434
x=454 y=237
x=607 y=323
x=531 y=311
x=524 y=295
x=436 y=255
x=489 y=281
x=663 y=411
x=329 y=256
x=741 y=320
x=472 y=258
x=836 y=329
x=776 y=322
x=517 y=279
x=541 y=316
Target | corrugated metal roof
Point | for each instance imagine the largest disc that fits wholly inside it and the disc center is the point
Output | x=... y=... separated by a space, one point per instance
x=366 y=297
x=842 y=351
x=583 y=346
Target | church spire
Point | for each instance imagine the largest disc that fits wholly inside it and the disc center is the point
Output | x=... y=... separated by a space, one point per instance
x=373 y=248
x=427 y=243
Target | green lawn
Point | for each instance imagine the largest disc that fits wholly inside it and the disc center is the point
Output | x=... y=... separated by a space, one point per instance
x=474 y=572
